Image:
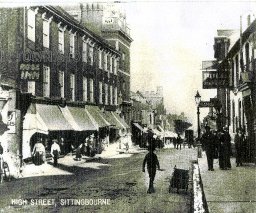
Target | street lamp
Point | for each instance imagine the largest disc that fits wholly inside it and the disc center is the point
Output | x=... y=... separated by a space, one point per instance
x=198 y=99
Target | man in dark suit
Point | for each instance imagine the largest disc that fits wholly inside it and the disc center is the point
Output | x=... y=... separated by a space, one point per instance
x=152 y=164
x=208 y=144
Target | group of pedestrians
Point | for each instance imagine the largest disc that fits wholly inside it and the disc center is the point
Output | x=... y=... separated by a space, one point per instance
x=39 y=153
x=217 y=145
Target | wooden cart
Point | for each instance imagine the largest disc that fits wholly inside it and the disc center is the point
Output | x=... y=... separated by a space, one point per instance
x=179 y=179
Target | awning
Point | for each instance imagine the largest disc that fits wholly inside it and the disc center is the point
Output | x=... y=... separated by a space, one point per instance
x=140 y=127
x=113 y=120
x=121 y=120
x=78 y=118
x=160 y=128
x=52 y=117
x=33 y=121
x=97 y=116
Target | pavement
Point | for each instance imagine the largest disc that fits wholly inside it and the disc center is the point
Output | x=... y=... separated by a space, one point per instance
x=47 y=169
x=229 y=191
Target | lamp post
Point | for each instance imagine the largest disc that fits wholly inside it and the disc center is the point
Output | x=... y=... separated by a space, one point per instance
x=198 y=99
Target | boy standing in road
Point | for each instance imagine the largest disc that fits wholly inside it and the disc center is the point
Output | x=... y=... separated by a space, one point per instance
x=152 y=164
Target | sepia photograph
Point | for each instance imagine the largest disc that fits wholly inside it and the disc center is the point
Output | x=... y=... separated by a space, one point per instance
x=129 y=106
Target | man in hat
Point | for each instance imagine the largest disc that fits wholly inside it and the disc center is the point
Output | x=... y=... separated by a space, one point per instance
x=55 y=151
x=209 y=146
x=152 y=163
x=225 y=140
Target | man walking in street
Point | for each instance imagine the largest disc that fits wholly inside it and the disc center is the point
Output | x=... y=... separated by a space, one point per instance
x=239 y=143
x=55 y=151
x=152 y=164
x=208 y=145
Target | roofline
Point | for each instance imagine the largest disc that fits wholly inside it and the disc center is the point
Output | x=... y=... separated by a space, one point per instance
x=69 y=19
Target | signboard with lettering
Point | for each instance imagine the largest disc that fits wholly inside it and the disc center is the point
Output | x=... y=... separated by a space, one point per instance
x=30 y=71
x=11 y=121
x=214 y=80
x=206 y=104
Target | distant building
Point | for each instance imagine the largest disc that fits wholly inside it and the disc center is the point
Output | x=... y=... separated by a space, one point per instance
x=154 y=98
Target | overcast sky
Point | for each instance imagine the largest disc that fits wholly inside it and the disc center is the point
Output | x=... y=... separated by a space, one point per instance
x=170 y=40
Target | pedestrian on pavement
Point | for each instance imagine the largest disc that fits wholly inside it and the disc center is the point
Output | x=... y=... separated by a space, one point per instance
x=179 y=141
x=152 y=164
x=55 y=151
x=174 y=142
x=239 y=143
x=225 y=147
x=208 y=144
x=38 y=153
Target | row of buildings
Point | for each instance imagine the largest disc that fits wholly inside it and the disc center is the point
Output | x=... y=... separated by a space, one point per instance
x=65 y=73
x=233 y=75
x=147 y=114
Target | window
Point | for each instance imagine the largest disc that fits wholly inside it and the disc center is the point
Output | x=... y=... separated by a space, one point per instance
x=233 y=116
x=32 y=87
x=46 y=81
x=237 y=71
x=105 y=61
x=84 y=89
x=106 y=94
x=61 y=40
x=61 y=83
x=72 y=45
x=84 y=53
x=100 y=59
x=91 y=91
x=115 y=96
x=111 y=94
x=247 y=55
x=91 y=55
x=100 y=92
x=123 y=56
x=46 y=33
x=111 y=64
x=31 y=20
x=115 y=66
x=72 y=86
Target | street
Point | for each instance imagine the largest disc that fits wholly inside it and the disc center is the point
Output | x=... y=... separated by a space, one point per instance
x=119 y=181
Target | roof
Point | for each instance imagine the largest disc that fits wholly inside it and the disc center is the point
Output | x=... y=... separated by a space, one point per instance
x=67 y=18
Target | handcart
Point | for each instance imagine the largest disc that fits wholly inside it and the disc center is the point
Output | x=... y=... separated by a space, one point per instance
x=179 y=180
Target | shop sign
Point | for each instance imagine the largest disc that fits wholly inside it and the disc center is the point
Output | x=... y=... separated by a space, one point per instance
x=206 y=104
x=215 y=79
x=30 y=71
x=11 y=121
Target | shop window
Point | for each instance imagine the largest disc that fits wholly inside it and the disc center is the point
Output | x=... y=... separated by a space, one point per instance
x=32 y=87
